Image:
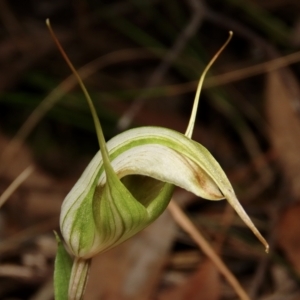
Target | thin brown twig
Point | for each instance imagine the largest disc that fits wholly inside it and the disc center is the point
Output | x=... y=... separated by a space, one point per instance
x=15 y=184
x=261 y=68
x=226 y=221
x=274 y=213
x=233 y=76
x=161 y=70
x=185 y=223
x=14 y=241
x=16 y=271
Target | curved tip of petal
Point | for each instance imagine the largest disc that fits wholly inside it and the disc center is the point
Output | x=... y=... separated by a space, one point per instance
x=231 y=198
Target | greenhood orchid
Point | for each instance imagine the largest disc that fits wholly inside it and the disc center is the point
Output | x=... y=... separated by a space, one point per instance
x=130 y=182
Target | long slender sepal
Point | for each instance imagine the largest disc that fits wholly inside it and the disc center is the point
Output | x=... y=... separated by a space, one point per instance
x=98 y=126
x=190 y=128
x=231 y=198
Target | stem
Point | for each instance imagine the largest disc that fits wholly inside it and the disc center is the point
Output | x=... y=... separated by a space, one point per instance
x=78 y=280
x=185 y=223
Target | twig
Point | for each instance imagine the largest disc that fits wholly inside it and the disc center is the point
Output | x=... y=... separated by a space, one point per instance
x=258 y=278
x=15 y=184
x=184 y=222
x=182 y=39
x=226 y=222
x=239 y=29
x=261 y=68
x=232 y=76
x=15 y=271
x=12 y=242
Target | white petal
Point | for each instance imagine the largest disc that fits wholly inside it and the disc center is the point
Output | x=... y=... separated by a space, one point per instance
x=165 y=164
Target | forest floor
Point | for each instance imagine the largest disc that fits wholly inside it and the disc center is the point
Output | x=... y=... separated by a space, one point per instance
x=141 y=61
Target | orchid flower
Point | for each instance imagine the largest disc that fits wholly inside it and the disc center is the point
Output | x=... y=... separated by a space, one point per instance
x=129 y=183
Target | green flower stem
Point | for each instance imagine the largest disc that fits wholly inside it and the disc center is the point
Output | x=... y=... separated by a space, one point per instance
x=79 y=277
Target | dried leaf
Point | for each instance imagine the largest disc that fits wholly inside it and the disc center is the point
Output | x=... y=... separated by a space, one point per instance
x=288 y=231
x=203 y=284
x=281 y=91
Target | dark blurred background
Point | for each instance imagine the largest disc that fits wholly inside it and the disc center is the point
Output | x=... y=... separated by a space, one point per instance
x=141 y=61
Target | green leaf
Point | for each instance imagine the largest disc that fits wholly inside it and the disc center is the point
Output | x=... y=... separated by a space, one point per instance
x=62 y=271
